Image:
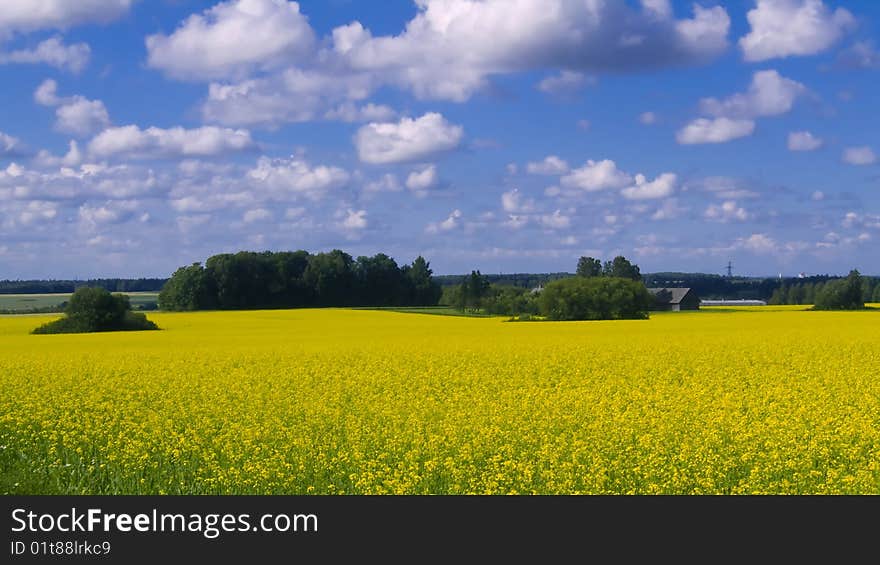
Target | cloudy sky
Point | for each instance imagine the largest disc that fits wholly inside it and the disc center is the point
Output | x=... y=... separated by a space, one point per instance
x=500 y=135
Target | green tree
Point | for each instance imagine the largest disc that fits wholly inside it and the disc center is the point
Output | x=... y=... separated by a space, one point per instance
x=189 y=288
x=597 y=298
x=844 y=294
x=331 y=277
x=620 y=267
x=589 y=267
x=93 y=309
x=424 y=290
x=876 y=297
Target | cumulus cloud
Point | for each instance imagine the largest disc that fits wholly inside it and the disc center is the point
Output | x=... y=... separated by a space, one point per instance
x=295 y=176
x=407 y=140
x=556 y=221
x=785 y=28
x=563 y=83
x=423 y=180
x=513 y=202
x=232 y=39
x=451 y=47
x=719 y=130
x=153 y=143
x=256 y=215
x=769 y=94
x=862 y=55
x=648 y=118
x=22 y=16
x=727 y=211
x=9 y=146
x=52 y=52
x=594 y=176
x=75 y=115
x=319 y=93
x=386 y=183
x=661 y=187
x=350 y=112
x=859 y=156
x=551 y=165
x=355 y=220
x=449 y=224
x=803 y=141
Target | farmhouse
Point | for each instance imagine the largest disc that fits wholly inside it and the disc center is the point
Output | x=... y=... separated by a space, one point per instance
x=675 y=299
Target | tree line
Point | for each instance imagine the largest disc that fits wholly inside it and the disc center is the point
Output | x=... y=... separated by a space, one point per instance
x=821 y=293
x=69 y=286
x=598 y=291
x=294 y=279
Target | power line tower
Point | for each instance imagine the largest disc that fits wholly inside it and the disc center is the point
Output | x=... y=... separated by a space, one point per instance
x=729 y=269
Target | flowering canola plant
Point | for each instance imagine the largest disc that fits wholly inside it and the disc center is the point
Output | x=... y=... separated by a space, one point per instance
x=721 y=401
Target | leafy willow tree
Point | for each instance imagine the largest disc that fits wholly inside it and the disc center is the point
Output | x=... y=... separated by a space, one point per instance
x=92 y=309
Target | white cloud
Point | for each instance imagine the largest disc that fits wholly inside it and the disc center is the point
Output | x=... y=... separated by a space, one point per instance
x=784 y=28
x=669 y=210
x=423 y=180
x=407 y=140
x=450 y=223
x=759 y=243
x=355 y=220
x=551 y=165
x=769 y=94
x=350 y=112
x=232 y=39
x=661 y=187
x=596 y=176
x=719 y=130
x=859 y=156
x=862 y=55
x=318 y=93
x=386 y=183
x=9 y=146
x=563 y=83
x=256 y=215
x=648 y=118
x=133 y=142
x=52 y=52
x=72 y=158
x=728 y=211
x=75 y=115
x=513 y=202
x=803 y=141
x=37 y=211
x=295 y=176
x=817 y=196
x=451 y=47
x=30 y=15
x=556 y=221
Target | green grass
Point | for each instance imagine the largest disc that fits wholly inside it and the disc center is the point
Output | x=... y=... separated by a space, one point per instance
x=25 y=303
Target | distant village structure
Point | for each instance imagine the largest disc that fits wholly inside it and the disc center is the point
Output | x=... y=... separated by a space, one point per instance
x=675 y=299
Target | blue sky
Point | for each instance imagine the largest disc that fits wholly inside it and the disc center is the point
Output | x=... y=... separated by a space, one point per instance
x=500 y=135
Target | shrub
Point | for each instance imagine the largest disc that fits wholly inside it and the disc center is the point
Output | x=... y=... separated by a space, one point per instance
x=597 y=298
x=96 y=310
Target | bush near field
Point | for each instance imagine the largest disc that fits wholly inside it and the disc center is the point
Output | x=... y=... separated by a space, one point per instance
x=97 y=310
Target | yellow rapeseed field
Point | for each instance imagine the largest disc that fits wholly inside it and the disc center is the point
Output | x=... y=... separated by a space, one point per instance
x=360 y=402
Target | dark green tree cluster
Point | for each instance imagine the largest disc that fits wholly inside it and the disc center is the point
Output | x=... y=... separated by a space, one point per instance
x=292 y=279
x=595 y=298
x=843 y=294
x=619 y=267
x=811 y=292
x=93 y=309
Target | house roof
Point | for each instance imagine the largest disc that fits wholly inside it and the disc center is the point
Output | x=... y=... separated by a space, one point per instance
x=676 y=295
